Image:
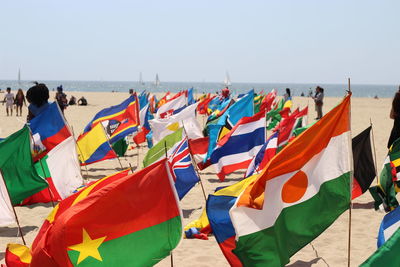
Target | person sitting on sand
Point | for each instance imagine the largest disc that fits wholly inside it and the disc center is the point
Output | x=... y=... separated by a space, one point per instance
x=9 y=100
x=395 y=115
x=19 y=101
x=72 y=101
x=82 y=101
x=37 y=96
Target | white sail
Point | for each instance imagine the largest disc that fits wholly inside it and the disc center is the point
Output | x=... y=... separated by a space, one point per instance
x=227 y=81
x=19 y=77
x=141 y=79
x=157 y=81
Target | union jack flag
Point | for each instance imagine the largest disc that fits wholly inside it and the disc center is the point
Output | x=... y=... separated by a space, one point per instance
x=182 y=170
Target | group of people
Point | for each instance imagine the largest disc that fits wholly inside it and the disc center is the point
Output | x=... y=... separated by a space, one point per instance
x=318 y=98
x=37 y=97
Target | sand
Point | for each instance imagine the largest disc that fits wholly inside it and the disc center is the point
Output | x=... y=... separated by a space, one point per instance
x=330 y=248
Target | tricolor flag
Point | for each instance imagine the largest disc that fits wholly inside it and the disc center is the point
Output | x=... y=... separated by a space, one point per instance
x=49 y=128
x=199 y=148
x=389 y=225
x=300 y=193
x=119 y=120
x=144 y=116
x=236 y=150
x=7 y=216
x=172 y=107
x=182 y=169
x=264 y=155
x=106 y=224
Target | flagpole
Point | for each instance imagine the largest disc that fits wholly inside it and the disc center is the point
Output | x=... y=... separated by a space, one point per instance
x=15 y=213
x=195 y=165
x=351 y=185
x=373 y=144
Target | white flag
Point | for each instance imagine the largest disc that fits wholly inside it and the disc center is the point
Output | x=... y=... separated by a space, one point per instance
x=173 y=105
x=7 y=216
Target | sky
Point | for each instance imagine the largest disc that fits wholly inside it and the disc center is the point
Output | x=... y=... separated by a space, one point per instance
x=283 y=41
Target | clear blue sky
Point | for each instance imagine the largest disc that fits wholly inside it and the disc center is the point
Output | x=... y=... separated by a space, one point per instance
x=256 y=41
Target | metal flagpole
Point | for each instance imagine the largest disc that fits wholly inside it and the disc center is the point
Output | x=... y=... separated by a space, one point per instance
x=373 y=145
x=351 y=187
x=15 y=214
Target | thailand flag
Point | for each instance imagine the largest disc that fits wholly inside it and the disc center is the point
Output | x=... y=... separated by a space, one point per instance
x=267 y=151
x=237 y=148
x=184 y=175
x=48 y=129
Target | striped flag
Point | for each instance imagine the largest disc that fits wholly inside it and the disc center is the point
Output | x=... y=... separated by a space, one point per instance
x=301 y=192
x=389 y=225
x=236 y=150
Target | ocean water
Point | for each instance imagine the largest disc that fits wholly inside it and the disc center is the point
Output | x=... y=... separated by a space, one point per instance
x=335 y=90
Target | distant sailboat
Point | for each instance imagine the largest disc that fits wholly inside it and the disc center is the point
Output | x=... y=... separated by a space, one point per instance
x=157 y=81
x=141 y=79
x=227 y=81
x=19 y=77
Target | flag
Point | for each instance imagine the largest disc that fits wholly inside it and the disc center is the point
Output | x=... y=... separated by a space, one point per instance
x=106 y=224
x=93 y=146
x=236 y=150
x=264 y=155
x=190 y=96
x=203 y=105
x=7 y=216
x=300 y=193
x=198 y=148
x=144 y=115
x=172 y=106
x=49 y=128
x=217 y=207
x=385 y=192
x=182 y=170
x=159 y=150
x=163 y=100
x=17 y=256
x=364 y=166
x=119 y=120
x=17 y=166
x=120 y=147
x=268 y=100
x=389 y=225
x=186 y=118
x=386 y=255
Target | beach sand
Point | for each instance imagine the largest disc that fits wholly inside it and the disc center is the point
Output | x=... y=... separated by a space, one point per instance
x=330 y=248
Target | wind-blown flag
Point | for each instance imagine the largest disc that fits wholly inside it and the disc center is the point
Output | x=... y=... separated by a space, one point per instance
x=165 y=146
x=106 y=224
x=198 y=148
x=49 y=128
x=236 y=150
x=264 y=155
x=119 y=120
x=17 y=167
x=203 y=105
x=300 y=193
x=186 y=118
x=389 y=225
x=93 y=146
x=364 y=166
x=144 y=116
x=388 y=183
x=7 y=216
x=172 y=106
x=17 y=256
x=182 y=170
x=190 y=96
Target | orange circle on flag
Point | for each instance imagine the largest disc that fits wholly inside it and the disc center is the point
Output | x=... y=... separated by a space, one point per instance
x=295 y=188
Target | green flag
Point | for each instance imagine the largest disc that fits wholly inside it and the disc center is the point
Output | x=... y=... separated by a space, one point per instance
x=17 y=167
x=120 y=147
x=387 y=254
x=158 y=151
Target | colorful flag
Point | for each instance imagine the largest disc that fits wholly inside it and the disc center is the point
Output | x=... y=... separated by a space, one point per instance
x=119 y=120
x=182 y=170
x=300 y=193
x=388 y=183
x=145 y=116
x=106 y=224
x=203 y=105
x=190 y=96
x=172 y=107
x=386 y=255
x=186 y=118
x=49 y=128
x=17 y=166
x=364 y=166
x=7 y=216
x=17 y=256
x=237 y=149
x=198 y=148
x=389 y=225
x=93 y=146
x=264 y=155
x=165 y=146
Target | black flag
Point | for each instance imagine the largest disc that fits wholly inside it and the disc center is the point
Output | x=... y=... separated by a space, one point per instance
x=364 y=167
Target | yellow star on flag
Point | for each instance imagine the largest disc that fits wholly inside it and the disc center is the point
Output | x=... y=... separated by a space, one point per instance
x=88 y=248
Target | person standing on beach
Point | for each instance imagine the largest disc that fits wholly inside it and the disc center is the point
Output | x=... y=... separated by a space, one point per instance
x=37 y=96
x=9 y=100
x=395 y=115
x=19 y=101
x=318 y=99
x=61 y=99
x=287 y=96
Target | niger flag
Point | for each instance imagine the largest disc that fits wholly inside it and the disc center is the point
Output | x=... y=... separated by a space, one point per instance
x=132 y=220
x=299 y=194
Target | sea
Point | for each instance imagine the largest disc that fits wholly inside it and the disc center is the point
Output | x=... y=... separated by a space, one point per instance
x=334 y=90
